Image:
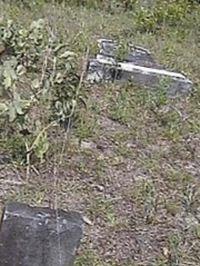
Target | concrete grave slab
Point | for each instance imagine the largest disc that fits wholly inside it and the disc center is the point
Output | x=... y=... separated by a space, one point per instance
x=138 y=67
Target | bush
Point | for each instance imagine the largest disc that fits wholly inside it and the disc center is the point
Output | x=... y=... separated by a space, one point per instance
x=162 y=13
x=39 y=85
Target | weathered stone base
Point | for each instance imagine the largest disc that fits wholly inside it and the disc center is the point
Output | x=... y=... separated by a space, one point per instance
x=38 y=236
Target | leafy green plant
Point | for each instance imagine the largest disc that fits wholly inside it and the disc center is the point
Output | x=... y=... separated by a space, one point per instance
x=40 y=87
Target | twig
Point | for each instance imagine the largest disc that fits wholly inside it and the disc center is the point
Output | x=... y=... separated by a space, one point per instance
x=28 y=163
x=65 y=139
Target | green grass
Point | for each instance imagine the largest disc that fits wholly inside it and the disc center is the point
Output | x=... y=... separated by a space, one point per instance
x=131 y=162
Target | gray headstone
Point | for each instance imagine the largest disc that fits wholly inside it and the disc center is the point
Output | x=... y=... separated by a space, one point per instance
x=32 y=236
x=141 y=57
x=138 y=66
x=107 y=47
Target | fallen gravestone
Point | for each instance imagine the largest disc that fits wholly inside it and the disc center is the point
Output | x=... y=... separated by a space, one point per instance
x=138 y=67
x=38 y=236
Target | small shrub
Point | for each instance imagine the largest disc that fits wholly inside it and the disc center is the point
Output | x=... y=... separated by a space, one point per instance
x=40 y=87
x=162 y=13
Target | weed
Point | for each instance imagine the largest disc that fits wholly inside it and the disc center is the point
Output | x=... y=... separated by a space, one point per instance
x=103 y=208
x=86 y=126
x=174 y=245
x=172 y=208
x=121 y=108
x=88 y=258
x=30 y=194
x=150 y=201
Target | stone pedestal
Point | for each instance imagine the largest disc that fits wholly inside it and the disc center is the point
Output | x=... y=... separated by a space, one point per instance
x=32 y=236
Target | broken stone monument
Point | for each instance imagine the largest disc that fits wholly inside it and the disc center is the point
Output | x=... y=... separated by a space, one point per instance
x=32 y=236
x=138 y=67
